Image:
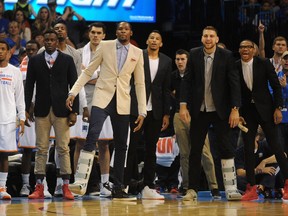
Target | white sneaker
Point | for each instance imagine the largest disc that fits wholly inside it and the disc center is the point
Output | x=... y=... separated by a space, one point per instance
x=190 y=195
x=105 y=189
x=4 y=195
x=47 y=194
x=148 y=193
x=78 y=187
x=25 y=190
x=58 y=191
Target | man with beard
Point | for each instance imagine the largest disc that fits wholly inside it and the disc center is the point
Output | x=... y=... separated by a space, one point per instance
x=213 y=93
x=259 y=107
x=119 y=60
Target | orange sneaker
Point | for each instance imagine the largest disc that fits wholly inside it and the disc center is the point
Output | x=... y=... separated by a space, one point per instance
x=285 y=192
x=38 y=192
x=250 y=193
x=4 y=195
x=67 y=193
x=174 y=190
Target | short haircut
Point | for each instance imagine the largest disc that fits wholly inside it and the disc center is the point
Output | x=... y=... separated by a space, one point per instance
x=181 y=52
x=156 y=31
x=279 y=38
x=250 y=41
x=33 y=42
x=36 y=33
x=5 y=42
x=60 y=21
x=211 y=28
x=97 y=25
x=118 y=24
x=50 y=31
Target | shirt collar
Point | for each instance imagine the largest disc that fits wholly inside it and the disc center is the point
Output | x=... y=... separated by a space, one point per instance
x=211 y=55
x=119 y=45
x=247 y=63
x=54 y=54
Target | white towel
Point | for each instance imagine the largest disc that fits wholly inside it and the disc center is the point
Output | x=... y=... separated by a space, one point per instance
x=86 y=58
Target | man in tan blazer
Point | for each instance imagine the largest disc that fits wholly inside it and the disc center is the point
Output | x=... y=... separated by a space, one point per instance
x=118 y=60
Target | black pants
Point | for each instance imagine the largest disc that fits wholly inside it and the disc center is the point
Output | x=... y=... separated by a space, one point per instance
x=151 y=131
x=198 y=130
x=120 y=124
x=253 y=119
x=168 y=176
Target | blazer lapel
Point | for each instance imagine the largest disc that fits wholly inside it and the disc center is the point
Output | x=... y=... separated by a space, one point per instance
x=112 y=48
x=254 y=71
x=202 y=65
x=146 y=67
x=214 y=64
x=44 y=60
x=159 y=70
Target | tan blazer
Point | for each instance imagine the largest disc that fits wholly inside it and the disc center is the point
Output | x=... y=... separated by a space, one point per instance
x=111 y=80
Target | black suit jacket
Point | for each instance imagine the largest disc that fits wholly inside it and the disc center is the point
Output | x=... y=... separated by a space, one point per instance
x=225 y=82
x=160 y=87
x=52 y=85
x=265 y=103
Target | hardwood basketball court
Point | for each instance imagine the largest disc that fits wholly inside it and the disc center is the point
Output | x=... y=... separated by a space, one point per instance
x=172 y=205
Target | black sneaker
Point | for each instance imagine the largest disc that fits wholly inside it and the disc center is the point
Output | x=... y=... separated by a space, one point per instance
x=215 y=194
x=182 y=191
x=120 y=195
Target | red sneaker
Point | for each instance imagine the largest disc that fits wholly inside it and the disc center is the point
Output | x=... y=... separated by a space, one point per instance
x=67 y=193
x=174 y=190
x=250 y=193
x=285 y=192
x=38 y=192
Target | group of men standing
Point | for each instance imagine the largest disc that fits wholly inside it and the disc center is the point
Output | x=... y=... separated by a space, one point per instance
x=214 y=91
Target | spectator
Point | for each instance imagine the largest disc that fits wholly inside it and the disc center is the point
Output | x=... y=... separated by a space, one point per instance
x=38 y=37
x=76 y=27
x=24 y=6
x=15 y=42
x=43 y=20
x=266 y=167
x=25 y=30
x=3 y=22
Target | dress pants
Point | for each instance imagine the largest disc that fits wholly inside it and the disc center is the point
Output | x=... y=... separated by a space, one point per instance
x=62 y=136
x=120 y=124
x=253 y=119
x=183 y=140
x=198 y=132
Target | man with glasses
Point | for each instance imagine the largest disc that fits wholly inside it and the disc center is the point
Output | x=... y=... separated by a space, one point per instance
x=259 y=107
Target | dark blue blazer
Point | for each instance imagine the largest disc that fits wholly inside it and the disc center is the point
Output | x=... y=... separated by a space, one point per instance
x=52 y=85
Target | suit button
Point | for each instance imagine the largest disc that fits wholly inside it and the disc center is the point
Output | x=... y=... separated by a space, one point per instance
x=115 y=86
